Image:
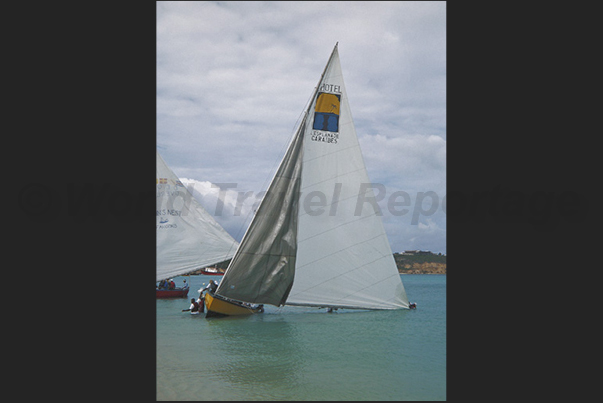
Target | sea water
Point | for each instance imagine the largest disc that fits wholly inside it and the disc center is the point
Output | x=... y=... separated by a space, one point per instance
x=298 y=353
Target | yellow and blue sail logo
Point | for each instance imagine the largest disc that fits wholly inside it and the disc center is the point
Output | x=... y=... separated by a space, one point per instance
x=326 y=112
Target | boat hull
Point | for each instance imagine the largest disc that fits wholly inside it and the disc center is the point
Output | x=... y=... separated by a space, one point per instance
x=217 y=307
x=211 y=273
x=175 y=293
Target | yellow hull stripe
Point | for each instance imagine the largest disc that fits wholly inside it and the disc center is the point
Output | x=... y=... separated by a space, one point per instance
x=225 y=308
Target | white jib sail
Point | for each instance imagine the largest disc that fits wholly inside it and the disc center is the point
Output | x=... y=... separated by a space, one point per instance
x=343 y=255
x=188 y=237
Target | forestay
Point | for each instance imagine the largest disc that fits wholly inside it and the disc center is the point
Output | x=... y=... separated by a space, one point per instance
x=188 y=237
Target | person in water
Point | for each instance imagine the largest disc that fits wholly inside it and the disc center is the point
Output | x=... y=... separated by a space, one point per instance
x=194 y=306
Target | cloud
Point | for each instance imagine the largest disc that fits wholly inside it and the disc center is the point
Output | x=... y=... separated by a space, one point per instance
x=231 y=207
x=234 y=77
x=426 y=236
x=411 y=163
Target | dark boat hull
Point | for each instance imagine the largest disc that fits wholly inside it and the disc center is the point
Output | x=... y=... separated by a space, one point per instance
x=175 y=293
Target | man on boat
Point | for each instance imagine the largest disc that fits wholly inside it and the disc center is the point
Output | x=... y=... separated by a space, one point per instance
x=213 y=286
x=201 y=299
x=201 y=302
x=185 y=284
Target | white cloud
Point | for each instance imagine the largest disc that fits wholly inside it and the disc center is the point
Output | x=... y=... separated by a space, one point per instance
x=231 y=207
x=234 y=77
x=411 y=163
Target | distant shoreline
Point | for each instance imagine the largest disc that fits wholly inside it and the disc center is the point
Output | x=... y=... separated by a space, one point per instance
x=420 y=263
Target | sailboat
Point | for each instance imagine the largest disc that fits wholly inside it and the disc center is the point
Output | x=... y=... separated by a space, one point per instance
x=317 y=238
x=211 y=271
x=188 y=237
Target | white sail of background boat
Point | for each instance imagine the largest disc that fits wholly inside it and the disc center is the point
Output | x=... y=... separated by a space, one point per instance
x=316 y=238
x=188 y=237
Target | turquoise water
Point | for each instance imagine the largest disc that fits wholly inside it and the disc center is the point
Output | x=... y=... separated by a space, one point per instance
x=297 y=353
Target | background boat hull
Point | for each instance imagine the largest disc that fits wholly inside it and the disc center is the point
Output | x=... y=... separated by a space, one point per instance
x=176 y=293
x=211 y=273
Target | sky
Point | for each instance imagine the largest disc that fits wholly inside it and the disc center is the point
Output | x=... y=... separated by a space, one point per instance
x=233 y=79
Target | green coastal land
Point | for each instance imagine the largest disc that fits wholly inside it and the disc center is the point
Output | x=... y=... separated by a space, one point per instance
x=420 y=262
x=407 y=262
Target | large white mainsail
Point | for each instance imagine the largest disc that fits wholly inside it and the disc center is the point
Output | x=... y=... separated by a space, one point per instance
x=316 y=239
x=188 y=237
x=343 y=257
